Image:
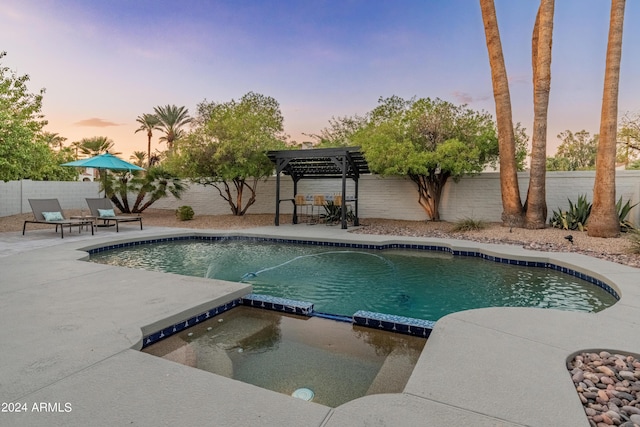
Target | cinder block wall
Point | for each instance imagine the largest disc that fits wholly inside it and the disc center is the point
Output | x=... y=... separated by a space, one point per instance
x=15 y=195
x=476 y=197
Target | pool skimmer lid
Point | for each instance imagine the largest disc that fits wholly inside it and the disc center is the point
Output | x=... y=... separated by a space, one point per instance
x=303 y=393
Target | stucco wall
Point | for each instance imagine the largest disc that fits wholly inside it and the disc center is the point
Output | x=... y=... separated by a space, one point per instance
x=476 y=197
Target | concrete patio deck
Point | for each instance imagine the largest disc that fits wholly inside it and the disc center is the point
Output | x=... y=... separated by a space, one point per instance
x=71 y=330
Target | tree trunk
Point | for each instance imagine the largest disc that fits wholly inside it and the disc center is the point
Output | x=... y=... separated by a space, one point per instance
x=512 y=214
x=604 y=221
x=536 y=204
x=430 y=191
x=149 y=136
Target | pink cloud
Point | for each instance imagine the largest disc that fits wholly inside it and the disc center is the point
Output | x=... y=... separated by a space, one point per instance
x=467 y=98
x=96 y=122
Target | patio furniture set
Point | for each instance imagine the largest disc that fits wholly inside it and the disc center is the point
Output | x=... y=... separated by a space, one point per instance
x=102 y=214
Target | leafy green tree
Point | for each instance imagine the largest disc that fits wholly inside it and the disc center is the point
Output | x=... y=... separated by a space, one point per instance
x=171 y=120
x=227 y=149
x=24 y=151
x=148 y=123
x=522 y=144
x=578 y=149
x=628 y=150
x=558 y=164
x=428 y=141
x=340 y=131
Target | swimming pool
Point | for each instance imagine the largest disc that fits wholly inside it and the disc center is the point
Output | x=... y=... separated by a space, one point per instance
x=342 y=279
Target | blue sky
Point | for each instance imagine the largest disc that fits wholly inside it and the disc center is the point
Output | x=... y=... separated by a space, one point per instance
x=103 y=63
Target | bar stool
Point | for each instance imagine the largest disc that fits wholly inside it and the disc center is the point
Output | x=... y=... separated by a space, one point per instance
x=320 y=202
x=301 y=202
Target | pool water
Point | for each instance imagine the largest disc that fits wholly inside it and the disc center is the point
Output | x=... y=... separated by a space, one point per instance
x=337 y=361
x=420 y=284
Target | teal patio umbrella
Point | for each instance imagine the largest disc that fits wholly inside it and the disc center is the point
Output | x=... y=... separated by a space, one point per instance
x=104 y=161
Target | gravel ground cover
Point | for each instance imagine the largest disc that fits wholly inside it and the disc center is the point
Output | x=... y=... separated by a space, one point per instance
x=549 y=239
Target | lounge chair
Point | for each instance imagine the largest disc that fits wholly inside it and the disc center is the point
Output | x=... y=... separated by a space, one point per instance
x=48 y=211
x=102 y=209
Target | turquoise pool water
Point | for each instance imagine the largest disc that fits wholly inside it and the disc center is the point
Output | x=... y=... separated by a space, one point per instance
x=419 y=284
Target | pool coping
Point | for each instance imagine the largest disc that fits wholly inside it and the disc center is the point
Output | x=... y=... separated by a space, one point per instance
x=511 y=373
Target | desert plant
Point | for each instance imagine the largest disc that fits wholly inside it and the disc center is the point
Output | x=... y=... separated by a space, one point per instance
x=623 y=212
x=333 y=213
x=575 y=218
x=468 y=224
x=184 y=213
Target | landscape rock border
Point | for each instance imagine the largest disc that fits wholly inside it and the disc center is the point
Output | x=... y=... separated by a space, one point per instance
x=608 y=385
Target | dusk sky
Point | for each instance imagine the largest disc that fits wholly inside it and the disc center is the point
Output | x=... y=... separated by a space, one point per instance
x=103 y=63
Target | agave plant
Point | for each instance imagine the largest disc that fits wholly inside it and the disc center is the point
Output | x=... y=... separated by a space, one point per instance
x=623 y=212
x=575 y=218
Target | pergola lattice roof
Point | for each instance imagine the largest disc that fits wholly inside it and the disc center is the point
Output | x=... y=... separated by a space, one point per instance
x=320 y=162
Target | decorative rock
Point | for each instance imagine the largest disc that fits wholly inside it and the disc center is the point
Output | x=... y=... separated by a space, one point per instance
x=622 y=395
x=608 y=387
x=606 y=370
x=631 y=410
x=603 y=395
x=625 y=375
x=613 y=415
x=604 y=380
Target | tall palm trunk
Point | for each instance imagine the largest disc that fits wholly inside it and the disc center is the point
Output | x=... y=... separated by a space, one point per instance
x=149 y=136
x=512 y=213
x=536 y=204
x=603 y=221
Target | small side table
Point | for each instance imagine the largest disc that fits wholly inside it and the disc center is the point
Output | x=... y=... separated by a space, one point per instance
x=84 y=220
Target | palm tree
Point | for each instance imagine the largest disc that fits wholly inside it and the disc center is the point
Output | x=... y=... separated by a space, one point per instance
x=171 y=119
x=54 y=140
x=138 y=158
x=76 y=148
x=604 y=221
x=512 y=213
x=148 y=123
x=536 y=205
x=96 y=145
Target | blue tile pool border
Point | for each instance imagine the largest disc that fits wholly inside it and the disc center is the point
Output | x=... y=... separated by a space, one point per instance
x=284 y=305
x=372 y=246
x=387 y=322
x=163 y=333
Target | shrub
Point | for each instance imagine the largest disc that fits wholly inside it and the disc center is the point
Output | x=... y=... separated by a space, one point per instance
x=184 y=213
x=623 y=212
x=573 y=219
x=469 y=224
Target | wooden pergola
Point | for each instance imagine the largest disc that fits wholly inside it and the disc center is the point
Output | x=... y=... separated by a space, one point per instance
x=321 y=163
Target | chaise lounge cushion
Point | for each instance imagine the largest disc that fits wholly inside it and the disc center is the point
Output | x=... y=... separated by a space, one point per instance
x=106 y=213
x=53 y=216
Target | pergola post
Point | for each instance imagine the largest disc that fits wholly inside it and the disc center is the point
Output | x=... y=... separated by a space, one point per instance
x=277 y=220
x=343 y=207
